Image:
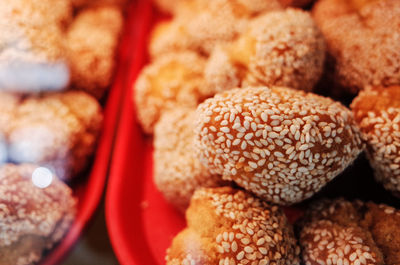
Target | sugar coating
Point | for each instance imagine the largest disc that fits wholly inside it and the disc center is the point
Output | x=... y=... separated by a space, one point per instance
x=31 y=219
x=377 y=112
x=55 y=130
x=32 y=45
x=177 y=170
x=343 y=232
x=228 y=226
x=289 y=50
x=373 y=25
x=92 y=42
x=282 y=144
x=172 y=80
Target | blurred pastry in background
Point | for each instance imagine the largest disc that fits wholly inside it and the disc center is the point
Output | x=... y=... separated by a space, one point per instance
x=377 y=112
x=340 y=231
x=283 y=48
x=362 y=41
x=58 y=131
x=177 y=170
x=92 y=45
x=36 y=211
x=282 y=144
x=229 y=226
x=172 y=80
x=32 y=58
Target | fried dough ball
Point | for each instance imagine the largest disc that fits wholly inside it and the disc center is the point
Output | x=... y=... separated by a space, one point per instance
x=92 y=44
x=177 y=170
x=32 y=217
x=343 y=232
x=362 y=40
x=201 y=25
x=172 y=80
x=296 y=3
x=282 y=48
x=58 y=131
x=281 y=144
x=170 y=36
x=228 y=226
x=8 y=104
x=377 y=112
x=32 y=45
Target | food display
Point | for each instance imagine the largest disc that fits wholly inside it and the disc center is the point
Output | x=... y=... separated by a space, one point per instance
x=57 y=61
x=243 y=133
x=340 y=231
x=37 y=210
x=228 y=226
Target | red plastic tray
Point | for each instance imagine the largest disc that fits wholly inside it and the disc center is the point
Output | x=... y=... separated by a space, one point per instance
x=90 y=191
x=141 y=224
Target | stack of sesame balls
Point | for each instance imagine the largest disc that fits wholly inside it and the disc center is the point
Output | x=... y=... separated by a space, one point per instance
x=230 y=95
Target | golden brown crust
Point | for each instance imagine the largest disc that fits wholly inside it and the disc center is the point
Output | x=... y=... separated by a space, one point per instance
x=377 y=113
x=228 y=226
x=177 y=170
x=288 y=50
x=343 y=232
x=32 y=219
x=92 y=42
x=360 y=37
x=280 y=143
x=172 y=80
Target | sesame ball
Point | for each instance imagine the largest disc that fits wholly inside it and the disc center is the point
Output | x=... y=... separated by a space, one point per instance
x=177 y=170
x=228 y=226
x=344 y=232
x=58 y=131
x=33 y=45
x=92 y=42
x=282 y=48
x=362 y=39
x=32 y=219
x=377 y=112
x=175 y=79
x=281 y=144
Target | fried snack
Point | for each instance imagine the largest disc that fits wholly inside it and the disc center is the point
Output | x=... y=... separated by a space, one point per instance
x=32 y=45
x=377 y=112
x=201 y=25
x=92 y=44
x=282 y=48
x=177 y=170
x=172 y=80
x=361 y=41
x=58 y=131
x=343 y=232
x=8 y=104
x=281 y=144
x=228 y=226
x=32 y=219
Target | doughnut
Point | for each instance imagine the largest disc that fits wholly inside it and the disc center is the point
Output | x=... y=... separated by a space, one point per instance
x=296 y=3
x=175 y=79
x=377 y=112
x=281 y=144
x=361 y=41
x=34 y=213
x=32 y=45
x=283 y=48
x=177 y=170
x=344 y=232
x=229 y=226
x=92 y=45
x=58 y=131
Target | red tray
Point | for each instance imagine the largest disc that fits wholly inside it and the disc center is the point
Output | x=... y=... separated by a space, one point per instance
x=141 y=224
x=90 y=191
